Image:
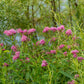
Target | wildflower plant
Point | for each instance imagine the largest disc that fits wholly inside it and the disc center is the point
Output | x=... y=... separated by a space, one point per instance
x=54 y=59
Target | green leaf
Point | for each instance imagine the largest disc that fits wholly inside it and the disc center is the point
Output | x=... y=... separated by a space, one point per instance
x=66 y=74
x=6 y=51
x=19 y=81
x=27 y=75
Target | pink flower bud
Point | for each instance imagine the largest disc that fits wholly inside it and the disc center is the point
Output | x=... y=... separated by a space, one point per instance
x=76 y=76
x=5 y=64
x=65 y=53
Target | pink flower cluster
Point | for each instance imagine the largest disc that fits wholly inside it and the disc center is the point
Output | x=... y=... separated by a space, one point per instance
x=16 y=56
x=53 y=39
x=3 y=49
x=19 y=30
x=65 y=53
x=41 y=42
x=76 y=76
x=27 y=59
x=74 y=55
x=14 y=48
x=46 y=29
x=74 y=52
x=61 y=28
x=75 y=44
x=51 y=52
x=80 y=59
x=44 y=63
x=61 y=46
x=71 y=82
x=68 y=46
x=5 y=64
x=24 y=38
x=31 y=30
x=69 y=32
x=53 y=29
x=74 y=37
x=1 y=44
x=25 y=31
x=10 y=32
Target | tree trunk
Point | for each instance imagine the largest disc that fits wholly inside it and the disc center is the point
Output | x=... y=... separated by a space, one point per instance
x=53 y=7
x=59 y=6
x=59 y=12
x=70 y=12
x=33 y=15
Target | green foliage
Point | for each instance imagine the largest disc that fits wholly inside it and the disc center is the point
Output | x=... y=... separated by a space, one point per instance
x=19 y=13
x=26 y=14
x=60 y=68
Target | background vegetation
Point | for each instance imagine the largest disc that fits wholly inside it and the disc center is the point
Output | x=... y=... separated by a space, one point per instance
x=40 y=13
x=61 y=66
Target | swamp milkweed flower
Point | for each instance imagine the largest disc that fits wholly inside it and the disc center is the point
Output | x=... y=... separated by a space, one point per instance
x=76 y=76
x=10 y=32
x=61 y=28
x=53 y=29
x=16 y=56
x=74 y=55
x=74 y=38
x=14 y=48
x=25 y=31
x=58 y=28
x=19 y=30
x=53 y=39
x=53 y=51
x=44 y=63
x=27 y=59
x=3 y=49
x=13 y=31
x=65 y=53
x=1 y=44
x=5 y=32
x=21 y=60
x=69 y=32
x=71 y=82
x=61 y=46
x=31 y=30
x=68 y=46
x=37 y=43
x=24 y=38
x=42 y=42
x=17 y=53
x=80 y=59
x=74 y=51
x=48 y=52
x=46 y=29
x=5 y=64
